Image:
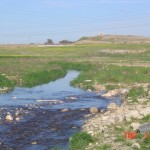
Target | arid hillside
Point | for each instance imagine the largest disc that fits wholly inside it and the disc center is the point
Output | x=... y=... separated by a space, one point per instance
x=113 y=39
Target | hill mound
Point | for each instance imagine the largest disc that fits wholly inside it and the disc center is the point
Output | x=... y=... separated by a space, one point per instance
x=113 y=39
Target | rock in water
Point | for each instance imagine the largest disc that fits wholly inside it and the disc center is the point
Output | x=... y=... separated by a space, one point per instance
x=34 y=143
x=17 y=119
x=89 y=90
x=9 y=118
x=65 y=110
x=93 y=110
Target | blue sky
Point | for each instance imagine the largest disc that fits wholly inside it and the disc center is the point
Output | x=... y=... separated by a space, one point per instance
x=37 y=20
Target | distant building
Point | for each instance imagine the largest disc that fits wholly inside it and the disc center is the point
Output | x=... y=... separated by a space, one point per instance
x=101 y=34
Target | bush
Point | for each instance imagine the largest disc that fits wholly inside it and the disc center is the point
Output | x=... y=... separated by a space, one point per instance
x=80 y=140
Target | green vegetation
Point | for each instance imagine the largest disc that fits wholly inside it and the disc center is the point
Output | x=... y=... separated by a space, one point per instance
x=146 y=118
x=37 y=65
x=55 y=71
x=137 y=92
x=41 y=77
x=80 y=141
x=122 y=74
x=5 y=82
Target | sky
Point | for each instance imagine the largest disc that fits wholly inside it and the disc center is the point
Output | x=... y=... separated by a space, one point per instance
x=35 y=21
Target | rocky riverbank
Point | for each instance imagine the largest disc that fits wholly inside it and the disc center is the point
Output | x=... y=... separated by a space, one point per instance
x=108 y=128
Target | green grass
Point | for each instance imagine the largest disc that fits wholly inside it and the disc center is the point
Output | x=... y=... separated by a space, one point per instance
x=123 y=74
x=5 y=82
x=38 y=65
x=80 y=140
x=146 y=118
x=97 y=73
x=41 y=77
x=137 y=92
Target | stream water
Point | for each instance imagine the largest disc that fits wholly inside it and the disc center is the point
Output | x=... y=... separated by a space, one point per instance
x=41 y=124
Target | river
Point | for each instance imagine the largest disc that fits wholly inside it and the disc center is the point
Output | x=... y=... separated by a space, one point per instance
x=42 y=125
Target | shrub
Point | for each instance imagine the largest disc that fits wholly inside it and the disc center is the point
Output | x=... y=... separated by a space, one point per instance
x=80 y=140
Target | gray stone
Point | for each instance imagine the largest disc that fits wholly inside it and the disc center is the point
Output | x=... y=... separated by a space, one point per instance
x=144 y=128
